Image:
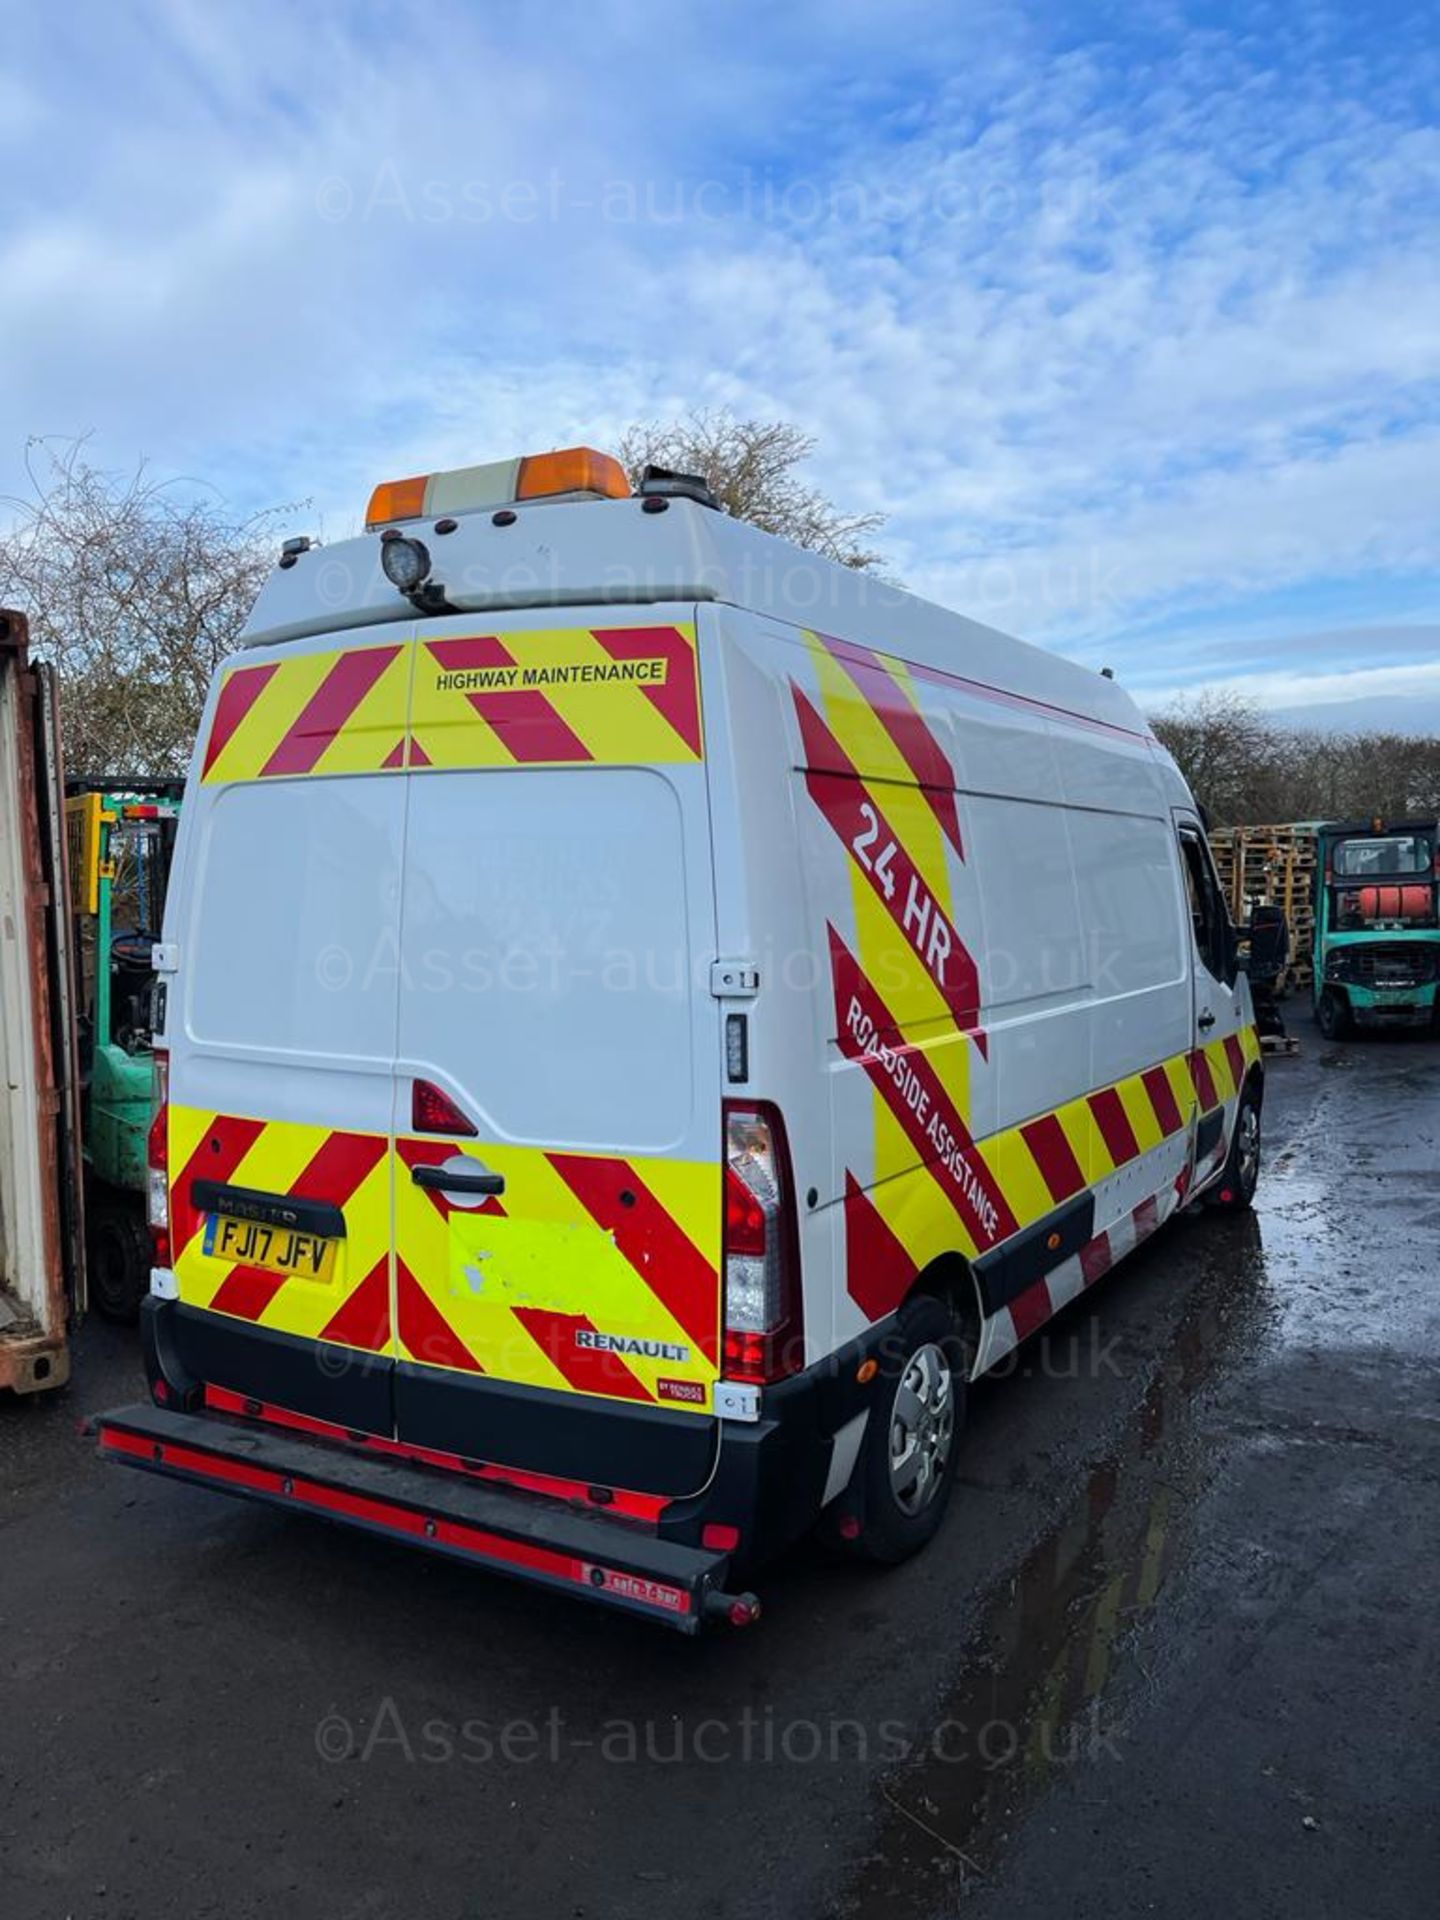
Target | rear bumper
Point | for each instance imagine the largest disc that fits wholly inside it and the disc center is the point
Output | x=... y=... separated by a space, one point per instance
x=762 y=1483
x=577 y=1553
x=571 y=1436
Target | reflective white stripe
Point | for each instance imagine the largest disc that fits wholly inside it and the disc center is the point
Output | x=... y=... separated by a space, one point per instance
x=1066 y=1282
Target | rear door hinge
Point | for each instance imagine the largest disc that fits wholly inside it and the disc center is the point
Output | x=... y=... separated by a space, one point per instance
x=734 y=979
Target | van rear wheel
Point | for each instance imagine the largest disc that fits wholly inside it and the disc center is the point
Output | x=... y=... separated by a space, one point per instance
x=913 y=1441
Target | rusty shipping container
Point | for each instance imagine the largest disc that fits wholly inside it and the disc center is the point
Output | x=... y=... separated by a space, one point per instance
x=42 y=1279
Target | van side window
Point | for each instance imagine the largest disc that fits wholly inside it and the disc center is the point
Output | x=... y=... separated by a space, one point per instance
x=1125 y=876
x=1207 y=908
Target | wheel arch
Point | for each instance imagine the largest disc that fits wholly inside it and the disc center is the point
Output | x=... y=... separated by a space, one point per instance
x=950 y=1279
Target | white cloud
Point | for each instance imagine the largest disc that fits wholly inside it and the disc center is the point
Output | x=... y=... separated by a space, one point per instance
x=1117 y=334
x=1418 y=681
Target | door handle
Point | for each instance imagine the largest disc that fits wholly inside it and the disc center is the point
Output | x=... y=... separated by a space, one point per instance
x=441 y=1181
x=1205 y=1022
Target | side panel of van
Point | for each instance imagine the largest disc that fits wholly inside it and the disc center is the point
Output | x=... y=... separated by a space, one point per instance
x=896 y=917
x=995 y=889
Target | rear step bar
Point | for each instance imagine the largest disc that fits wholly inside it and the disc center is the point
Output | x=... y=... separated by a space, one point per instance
x=474 y=1521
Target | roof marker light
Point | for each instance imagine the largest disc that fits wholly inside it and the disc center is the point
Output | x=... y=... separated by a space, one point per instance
x=397 y=500
x=571 y=473
x=576 y=470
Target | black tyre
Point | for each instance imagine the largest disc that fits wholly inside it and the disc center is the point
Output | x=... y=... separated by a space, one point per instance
x=118 y=1260
x=1332 y=1014
x=1234 y=1191
x=913 y=1441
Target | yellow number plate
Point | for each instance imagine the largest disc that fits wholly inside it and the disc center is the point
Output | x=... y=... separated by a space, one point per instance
x=250 y=1243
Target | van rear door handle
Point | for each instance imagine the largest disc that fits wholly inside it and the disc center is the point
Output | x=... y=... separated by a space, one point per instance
x=443 y=1181
x=1205 y=1022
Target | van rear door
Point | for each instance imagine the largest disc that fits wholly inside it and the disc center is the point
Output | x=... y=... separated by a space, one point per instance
x=558 y=1302
x=284 y=910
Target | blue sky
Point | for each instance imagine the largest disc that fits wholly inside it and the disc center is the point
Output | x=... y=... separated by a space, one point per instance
x=1128 y=317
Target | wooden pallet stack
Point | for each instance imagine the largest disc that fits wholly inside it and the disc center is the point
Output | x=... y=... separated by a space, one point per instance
x=1273 y=867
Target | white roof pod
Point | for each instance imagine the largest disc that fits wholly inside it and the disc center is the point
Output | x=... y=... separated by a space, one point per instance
x=563 y=530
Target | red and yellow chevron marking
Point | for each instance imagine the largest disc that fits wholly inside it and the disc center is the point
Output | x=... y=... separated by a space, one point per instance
x=594 y=1274
x=351 y=1170
x=307 y=713
x=562 y=697
x=901 y=1224
x=569 y=696
x=885 y=689
x=908 y=996
x=880 y=777
x=909 y=1086
x=862 y=821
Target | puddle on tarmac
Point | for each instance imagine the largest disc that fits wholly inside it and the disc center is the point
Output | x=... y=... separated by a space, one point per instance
x=1330 y=1282
x=1032 y=1697
x=1043 y=1682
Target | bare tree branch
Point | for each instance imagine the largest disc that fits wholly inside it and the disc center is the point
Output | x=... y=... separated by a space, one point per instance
x=751 y=469
x=1247 y=769
x=135 y=588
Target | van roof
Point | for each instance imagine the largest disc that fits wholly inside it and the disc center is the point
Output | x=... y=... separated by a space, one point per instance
x=625 y=553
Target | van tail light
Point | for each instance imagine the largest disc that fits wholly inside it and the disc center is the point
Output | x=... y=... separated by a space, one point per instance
x=764 y=1312
x=433 y=1111
x=157 y=1175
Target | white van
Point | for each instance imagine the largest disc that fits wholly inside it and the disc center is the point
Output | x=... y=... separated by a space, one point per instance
x=650 y=1015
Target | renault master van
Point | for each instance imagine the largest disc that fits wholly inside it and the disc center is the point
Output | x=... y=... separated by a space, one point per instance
x=646 y=1016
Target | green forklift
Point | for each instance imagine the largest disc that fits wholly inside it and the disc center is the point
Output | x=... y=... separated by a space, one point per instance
x=122 y=839
x=1377 y=925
